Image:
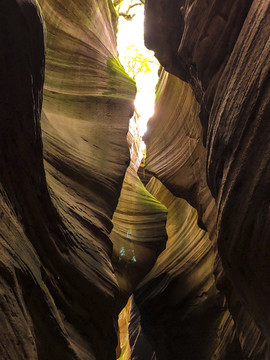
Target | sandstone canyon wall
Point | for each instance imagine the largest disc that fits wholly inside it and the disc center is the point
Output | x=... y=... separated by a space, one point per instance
x=222 y=50
x=199 y=279
x=58 y=289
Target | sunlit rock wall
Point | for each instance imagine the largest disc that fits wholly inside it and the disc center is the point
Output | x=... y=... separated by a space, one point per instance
x=133 y=343
x=222 y=50
x=87 y=105
x=139 y=233
x=58 y=289
x=175 y=151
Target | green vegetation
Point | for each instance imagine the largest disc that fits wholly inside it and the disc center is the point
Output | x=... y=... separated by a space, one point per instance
x=114 y=67
x=126 y=14
x=117 y=77
x=138 y=62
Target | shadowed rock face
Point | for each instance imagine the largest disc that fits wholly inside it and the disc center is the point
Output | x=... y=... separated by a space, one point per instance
x=222 y=52
x=63 y=275
x=178 y=299
x=58 y=290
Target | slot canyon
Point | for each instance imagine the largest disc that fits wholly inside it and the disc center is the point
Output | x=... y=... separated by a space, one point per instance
x=104 y=257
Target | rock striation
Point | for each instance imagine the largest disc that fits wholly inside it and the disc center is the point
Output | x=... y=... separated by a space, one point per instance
x=222 y=51
x=183 y=314
x=199 y=280
x=175 y=151
x=58 y=289
x=139 y=234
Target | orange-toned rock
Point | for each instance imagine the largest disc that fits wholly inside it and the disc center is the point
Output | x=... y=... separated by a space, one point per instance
x=58 y=289
x=139 y=233
x=175 y=151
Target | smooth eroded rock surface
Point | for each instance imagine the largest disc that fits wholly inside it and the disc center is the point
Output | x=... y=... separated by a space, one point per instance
x=58 y=289
x=64 y=274
x=183 y=315
x=223 y=53
x=139 y=234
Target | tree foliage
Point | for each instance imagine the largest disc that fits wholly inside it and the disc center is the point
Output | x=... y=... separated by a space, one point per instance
x=126 y=14
x=137 y=61
x=137 y=58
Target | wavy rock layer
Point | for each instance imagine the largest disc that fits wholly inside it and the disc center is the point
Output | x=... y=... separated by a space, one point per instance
x=87 y=104
x=139 y=233
x=132 y=341
x=59 y=296
x=58 y=290
x=175 y=152
x=178 y=299
x=221 y=49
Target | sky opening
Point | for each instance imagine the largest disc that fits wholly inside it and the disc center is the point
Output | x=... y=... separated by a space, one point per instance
x=139 y=62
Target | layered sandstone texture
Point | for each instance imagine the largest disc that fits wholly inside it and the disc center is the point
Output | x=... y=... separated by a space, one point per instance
x=178 y=299
x=221 y=51
x=58 y=288
x=139 y=234
x=65 y=174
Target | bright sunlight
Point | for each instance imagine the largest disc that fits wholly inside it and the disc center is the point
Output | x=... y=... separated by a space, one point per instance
x=138 y=61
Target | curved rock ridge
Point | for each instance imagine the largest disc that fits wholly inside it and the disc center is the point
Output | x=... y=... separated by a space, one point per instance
x=183 y=314
x=88 y=100
x=139 y=233
x=132 y=341
x=138 y=236
x=58 y=290
x=123 y=350
x=223 y=52
x=175 y=152
x=62 y=280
